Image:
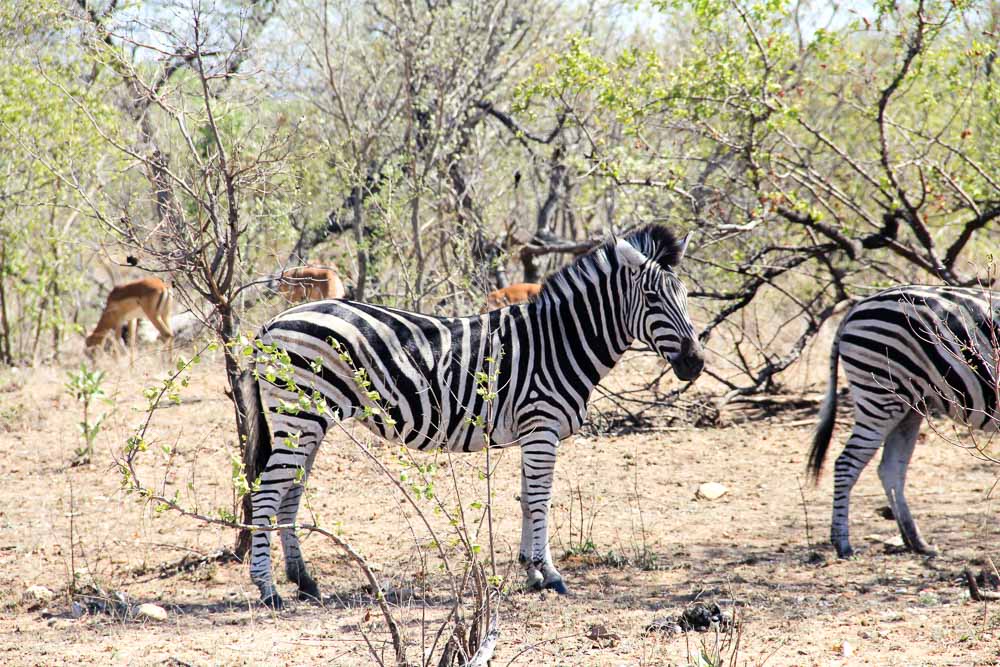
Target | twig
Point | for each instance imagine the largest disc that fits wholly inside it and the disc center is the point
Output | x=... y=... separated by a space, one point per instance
x=974 y=591
x=805 y=511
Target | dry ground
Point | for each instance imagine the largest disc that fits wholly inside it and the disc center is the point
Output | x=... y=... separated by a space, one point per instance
x=753 y=549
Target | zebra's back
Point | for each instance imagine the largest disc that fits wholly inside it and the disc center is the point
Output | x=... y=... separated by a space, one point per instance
x=935 y=348
x=411 y=377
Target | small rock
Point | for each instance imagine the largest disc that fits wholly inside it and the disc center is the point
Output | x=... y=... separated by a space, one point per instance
x=76 y=610
x=846 y=650
x=151 y=611
x=711 y=491
x=665 y=624
x=36 y=596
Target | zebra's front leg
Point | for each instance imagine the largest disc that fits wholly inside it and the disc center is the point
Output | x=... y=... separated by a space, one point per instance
x=538 y=460
x=535 y=578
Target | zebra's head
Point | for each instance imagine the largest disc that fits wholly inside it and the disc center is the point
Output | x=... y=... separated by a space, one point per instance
x=661 y=318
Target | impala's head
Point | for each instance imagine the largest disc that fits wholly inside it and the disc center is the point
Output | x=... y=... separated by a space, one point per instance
x=90 y=345
x=660 y=318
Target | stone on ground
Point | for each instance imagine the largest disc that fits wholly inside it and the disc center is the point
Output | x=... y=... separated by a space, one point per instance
x=711 y=491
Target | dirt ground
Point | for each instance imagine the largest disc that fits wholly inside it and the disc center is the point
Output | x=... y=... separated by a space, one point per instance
x=649 y=547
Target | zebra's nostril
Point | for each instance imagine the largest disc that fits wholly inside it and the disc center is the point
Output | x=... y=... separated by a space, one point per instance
x=691 y=352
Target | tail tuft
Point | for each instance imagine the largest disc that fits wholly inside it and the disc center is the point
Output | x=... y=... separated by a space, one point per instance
x=827 y=415
x=256 y=447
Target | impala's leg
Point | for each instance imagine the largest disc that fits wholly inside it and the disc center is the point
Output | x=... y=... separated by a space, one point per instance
x=159 y=317
x=295 y=565
x=866 y=438
x=538 y=460
x=892 y=471
x=133 y=325
x=118 y=346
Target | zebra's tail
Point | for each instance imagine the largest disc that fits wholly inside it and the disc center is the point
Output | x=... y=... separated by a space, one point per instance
x=827 y=413
x=256 y=448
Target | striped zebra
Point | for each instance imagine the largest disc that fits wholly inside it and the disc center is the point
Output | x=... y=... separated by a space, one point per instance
x=908 y=352
x=547 y=355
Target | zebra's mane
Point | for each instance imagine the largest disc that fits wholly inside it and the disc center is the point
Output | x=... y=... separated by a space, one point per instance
x=654 y=241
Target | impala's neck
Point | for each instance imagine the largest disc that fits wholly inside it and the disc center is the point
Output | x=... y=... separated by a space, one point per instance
x=109 y=322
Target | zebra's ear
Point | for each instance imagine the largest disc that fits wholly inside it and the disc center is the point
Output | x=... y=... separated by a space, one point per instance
x=682 y=248
x=629 y=254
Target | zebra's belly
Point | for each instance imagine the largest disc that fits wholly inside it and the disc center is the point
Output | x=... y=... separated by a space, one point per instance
x=880 y=383
x=420 y=412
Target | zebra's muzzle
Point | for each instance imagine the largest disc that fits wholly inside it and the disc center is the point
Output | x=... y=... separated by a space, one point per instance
x=690 y=361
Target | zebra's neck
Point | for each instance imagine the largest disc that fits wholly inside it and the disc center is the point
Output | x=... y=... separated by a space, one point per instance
x=587 y=315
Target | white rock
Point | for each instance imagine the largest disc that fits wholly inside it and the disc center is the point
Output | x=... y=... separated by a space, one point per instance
x=888 y=540
x=37 y=595
x=711 y=491
x=846 y=650
x=151 y=611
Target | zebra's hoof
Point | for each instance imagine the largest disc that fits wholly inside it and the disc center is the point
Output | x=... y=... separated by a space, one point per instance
x=273 y=601
x=309 y=591
x=558 y=586
x=844 y=551
x=927 y=550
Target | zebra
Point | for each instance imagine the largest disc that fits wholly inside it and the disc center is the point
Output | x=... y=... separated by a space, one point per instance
x=420 y=375
x=908 y=352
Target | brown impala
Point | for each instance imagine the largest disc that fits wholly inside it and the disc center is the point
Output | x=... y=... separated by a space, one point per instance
x=149 y=297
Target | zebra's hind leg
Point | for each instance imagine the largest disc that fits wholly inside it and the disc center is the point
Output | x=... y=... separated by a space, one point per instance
x=295 y=564
x=860 y=448
x=260 y=549
x=285 y=467
x=899 y=445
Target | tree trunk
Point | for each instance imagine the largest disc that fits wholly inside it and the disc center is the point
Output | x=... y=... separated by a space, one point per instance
x=5 y=355
x=359 y=239
x=229 y=331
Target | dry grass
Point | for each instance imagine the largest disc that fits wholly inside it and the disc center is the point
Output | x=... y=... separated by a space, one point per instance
x=638 y=494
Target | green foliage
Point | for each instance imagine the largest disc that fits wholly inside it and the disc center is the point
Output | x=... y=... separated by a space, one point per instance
x=84 y=385
x=42 y=132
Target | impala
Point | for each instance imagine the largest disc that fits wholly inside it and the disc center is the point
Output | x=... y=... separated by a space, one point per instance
x=149 y=297
x=310 y=283
x=508 y=296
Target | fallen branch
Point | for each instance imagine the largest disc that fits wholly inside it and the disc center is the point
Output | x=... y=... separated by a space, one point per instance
x=484 y=653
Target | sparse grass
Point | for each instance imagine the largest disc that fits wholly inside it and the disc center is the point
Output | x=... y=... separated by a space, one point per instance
x=214 y=619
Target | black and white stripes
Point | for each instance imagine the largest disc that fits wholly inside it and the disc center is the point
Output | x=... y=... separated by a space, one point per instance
x=908 y=352
x=416 y=379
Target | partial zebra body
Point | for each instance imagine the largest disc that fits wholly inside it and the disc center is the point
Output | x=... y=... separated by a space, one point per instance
x=908 y=352
x=542 y=359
